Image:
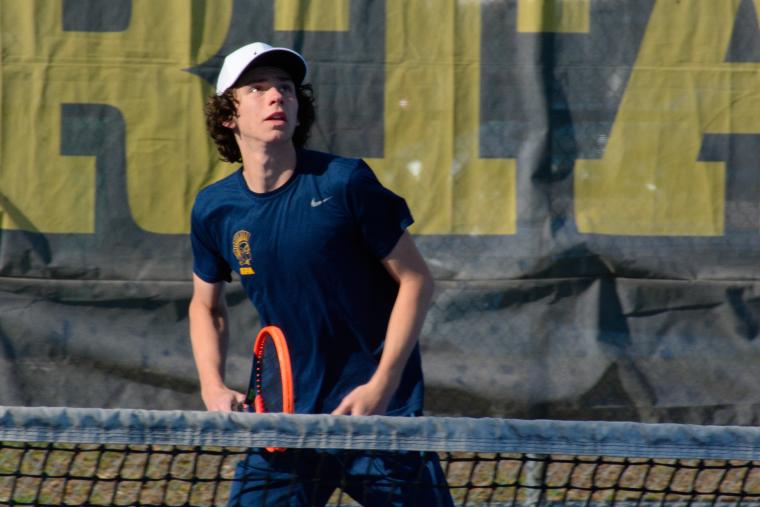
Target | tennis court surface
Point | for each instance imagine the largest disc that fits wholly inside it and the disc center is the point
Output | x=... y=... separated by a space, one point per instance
x=68 y=456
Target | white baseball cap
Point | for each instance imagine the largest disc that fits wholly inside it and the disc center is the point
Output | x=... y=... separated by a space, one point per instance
x=262 y=54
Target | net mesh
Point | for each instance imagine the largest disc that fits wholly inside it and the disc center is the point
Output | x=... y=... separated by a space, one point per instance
x=126 y=457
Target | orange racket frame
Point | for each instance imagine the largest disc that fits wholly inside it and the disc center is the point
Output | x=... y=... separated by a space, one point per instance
x=286 y=372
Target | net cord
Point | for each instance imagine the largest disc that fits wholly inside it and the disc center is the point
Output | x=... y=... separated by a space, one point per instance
x=196 y=428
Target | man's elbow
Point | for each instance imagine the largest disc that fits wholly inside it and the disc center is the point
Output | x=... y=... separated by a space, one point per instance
x=202 y=307
x=427 y=287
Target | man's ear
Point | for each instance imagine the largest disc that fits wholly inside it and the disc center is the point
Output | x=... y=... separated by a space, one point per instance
x=230 y=124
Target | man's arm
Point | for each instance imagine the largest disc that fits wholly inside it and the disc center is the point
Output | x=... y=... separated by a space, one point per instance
x=209 y=337
x=406 y=265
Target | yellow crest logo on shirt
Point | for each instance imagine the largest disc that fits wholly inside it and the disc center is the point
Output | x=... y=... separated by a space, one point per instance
x=241 y=248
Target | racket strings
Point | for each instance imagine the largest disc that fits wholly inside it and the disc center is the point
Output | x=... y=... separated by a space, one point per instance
x=269 y=389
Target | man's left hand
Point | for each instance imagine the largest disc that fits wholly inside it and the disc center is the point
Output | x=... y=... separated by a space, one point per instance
x=367 y=399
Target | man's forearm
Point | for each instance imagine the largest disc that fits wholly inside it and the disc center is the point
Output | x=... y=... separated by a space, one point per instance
x=209 y=338
x=404 y=326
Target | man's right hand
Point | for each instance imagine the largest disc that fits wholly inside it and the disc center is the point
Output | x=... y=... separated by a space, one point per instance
x=223 y=399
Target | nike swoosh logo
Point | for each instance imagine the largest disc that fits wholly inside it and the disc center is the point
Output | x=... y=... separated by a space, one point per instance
x=315 y=203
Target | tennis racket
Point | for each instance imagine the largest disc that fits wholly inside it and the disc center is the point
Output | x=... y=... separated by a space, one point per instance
x=271 y=385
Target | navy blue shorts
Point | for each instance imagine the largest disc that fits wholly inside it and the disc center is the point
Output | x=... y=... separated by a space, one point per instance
x=307 y=477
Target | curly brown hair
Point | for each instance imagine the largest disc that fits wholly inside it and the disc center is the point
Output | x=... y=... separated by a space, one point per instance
x=223 y=108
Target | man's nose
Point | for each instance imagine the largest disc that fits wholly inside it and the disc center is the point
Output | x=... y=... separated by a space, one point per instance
x=275 y=95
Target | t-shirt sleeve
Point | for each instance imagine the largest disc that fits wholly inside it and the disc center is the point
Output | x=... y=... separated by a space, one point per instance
x=381 y=215
x=208 y=263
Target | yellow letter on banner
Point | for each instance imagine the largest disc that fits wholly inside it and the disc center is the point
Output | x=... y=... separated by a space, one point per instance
x=566 y=16
x=431 y=122
x=39 y=189
x=649 y=181
x=141 y=72
x=311 y=16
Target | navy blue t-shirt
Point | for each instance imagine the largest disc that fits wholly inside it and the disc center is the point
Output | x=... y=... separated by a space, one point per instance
x=308 y=255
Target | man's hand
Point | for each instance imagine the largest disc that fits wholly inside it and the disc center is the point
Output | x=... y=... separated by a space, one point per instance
x=223 y=399
x=367 y=399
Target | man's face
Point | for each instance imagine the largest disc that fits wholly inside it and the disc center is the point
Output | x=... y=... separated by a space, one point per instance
x=267 y=110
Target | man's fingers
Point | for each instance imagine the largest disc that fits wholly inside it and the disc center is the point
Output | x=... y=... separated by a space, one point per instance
x=343 y=409
x=238 y=402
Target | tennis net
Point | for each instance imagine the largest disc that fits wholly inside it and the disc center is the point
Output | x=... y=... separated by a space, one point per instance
x=66 y=456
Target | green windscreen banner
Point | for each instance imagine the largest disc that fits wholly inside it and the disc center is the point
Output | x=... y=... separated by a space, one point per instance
x=584 y=177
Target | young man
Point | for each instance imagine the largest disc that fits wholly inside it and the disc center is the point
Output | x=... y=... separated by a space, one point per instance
x=322 y=251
